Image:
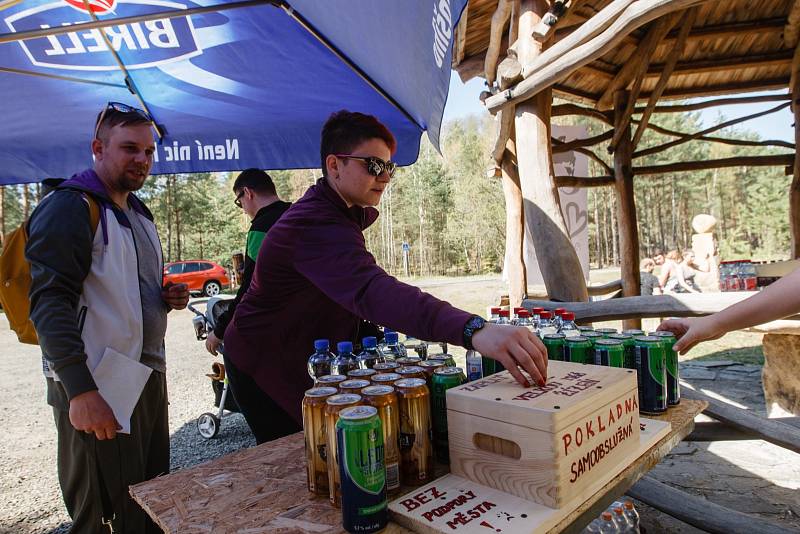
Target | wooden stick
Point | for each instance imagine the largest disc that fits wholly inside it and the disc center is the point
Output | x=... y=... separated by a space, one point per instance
x=561 y=67
x=683 y=108
x=499 y=19
x=723 y=140
x=779 y=160
x=584 y=181
x=574 y=109
x=672 y=60
x=781 y=82
x=504 y=123
x=794 y=188
x=596 y=158
x=549 y=24
x=783 y=57
x=588 y=141
x=460 y=40
x=791 y=32
x=605 y=289
x=636 y=66
x=689 y=137
x=515 y=224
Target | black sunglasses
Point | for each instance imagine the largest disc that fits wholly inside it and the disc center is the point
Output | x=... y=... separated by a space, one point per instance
x=238 y=199
x=121 y=108
x=375 y=166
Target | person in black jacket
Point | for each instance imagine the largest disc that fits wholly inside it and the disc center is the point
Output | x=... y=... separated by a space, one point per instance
x=256 y=196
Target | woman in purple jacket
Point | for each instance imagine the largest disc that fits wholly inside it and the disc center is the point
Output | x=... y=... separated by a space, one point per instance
x=314 y=278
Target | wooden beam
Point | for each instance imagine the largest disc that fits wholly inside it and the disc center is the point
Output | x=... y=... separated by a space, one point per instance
x=720 y=126
x=722 y=140
x=460 y=39
x=626 y=203
x=791 y=32
x=724 y=89
x=794 y=188
x=515 y=226
x=574 y=109
x=560 y=267
x=597 y=159
x=605 y=289
x=504 y=125
x=584 y=181
x=698 y=511
x=666 y=72
x=499 y=19
x=716 y=431
x=779 y=160
x=784 y=57
x=560 y=146
x=636 y=65
x=561 y=67
x=576 y=95
x=683 y=108
x=549 y=23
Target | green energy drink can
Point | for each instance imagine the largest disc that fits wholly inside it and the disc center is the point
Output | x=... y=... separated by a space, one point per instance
x=578 y=349
x=491 y=366
x=609 y=353
x=359 y=439
x=633 y=332
x=628 y=343
x=651 y=363
x=592 y=336
x=446 y=359
x=444 y=378
x=605 y=332
x=673 y=375
x=583 y=329
x=554 y=343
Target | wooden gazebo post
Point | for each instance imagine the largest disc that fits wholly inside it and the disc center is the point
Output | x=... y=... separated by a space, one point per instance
x=794 y=190
x=558 y=261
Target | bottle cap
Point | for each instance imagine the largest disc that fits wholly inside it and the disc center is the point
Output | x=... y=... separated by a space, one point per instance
x=568 y=316
x=390 y=336
x=369 y=342
x=321 y=344
x=344 y=346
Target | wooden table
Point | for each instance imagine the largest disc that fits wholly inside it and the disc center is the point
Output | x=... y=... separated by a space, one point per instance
x=263 y=489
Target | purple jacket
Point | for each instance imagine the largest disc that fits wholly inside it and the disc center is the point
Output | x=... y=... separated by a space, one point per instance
x=314 y=278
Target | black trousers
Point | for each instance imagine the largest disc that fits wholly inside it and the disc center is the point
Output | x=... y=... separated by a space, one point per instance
x=121 y=462
x=265 y=418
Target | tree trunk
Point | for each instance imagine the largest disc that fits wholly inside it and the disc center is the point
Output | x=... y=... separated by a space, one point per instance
x=515 y=228
x=558 y=261
x=794 y=190
x=2 y=214
x=26 y=202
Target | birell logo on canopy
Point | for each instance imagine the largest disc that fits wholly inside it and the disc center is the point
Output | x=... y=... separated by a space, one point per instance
x=141 y=44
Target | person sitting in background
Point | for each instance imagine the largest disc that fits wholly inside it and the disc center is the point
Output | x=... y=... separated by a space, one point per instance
x=668 y=278
x=648 y=281
x=687 y=270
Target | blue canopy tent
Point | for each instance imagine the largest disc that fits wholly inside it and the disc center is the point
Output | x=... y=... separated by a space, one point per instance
x=230 y=84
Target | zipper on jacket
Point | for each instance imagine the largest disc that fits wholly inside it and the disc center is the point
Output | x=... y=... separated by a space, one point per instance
x=82 y=318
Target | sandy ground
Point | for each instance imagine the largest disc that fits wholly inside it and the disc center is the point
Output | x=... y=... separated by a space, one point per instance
x=750 y=476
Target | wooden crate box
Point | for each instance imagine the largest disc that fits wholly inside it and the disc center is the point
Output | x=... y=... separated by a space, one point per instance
x=543 y=444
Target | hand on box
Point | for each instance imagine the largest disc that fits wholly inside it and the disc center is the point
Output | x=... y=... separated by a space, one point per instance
x=515 y=347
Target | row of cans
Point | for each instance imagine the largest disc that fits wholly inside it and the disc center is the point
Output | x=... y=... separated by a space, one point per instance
x=651 y=356
x=413 y=423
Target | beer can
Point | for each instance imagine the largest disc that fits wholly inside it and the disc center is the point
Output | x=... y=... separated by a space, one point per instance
x=385 y=400
x=491 y=366
x=353 y=386
x=592 y=336
x=386 y=379
x=474 y=365
x=554 y=343
x=673 y=374
x=446 y=359
x=416 y=449
x=633 y=332
x=585 y=328
x=609 y=353
x=333 y=405
x=444 y=378
x=628 y=343
x=605 y=332
x=651 y=362
x=428 y=367
x=363 y=374
x=362 y=470
x=386 y=367
x=412 y=371
x=578 y=349
x=408 y=360
x=315 y=438
x=330 y=380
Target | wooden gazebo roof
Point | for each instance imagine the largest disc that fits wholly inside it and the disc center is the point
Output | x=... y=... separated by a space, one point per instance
x=733 y=46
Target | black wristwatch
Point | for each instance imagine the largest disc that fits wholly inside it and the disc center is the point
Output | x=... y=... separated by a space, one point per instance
x=474 y=324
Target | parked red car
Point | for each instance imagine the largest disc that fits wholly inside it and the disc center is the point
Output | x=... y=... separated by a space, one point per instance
x=200 y=275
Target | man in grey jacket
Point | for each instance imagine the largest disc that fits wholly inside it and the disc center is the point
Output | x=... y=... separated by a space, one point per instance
x=100 y=313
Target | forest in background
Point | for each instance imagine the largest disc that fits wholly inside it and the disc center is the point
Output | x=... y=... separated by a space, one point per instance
x=452 y=214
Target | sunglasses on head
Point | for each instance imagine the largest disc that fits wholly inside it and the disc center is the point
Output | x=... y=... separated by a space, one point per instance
x=120 y=108
x=375 y=166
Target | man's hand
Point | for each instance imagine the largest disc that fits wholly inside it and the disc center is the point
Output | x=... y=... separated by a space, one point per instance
x=89 y=412
x=175 y=295
x=213 y=343
x=514 y=347
x=690 y=332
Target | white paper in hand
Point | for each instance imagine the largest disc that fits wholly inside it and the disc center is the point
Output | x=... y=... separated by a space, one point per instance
x=121 y=381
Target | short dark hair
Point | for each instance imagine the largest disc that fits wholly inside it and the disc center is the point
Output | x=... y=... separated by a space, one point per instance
x=254 y=179
x=345 y=130
x=113 y=118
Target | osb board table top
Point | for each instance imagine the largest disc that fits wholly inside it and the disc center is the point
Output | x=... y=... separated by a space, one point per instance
x=263 y=489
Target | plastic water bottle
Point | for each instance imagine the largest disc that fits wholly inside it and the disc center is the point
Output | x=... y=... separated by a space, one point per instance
x=556 y=317
x=536 y=317
x=370 y=355
x=319 y=363
x=592 y=528
x=391 y=348
x=525 y=320
x=546 y=325
x=568 y=326
x=503 y=319
x=632 y=515
x=494 y=314
x=607 y=525
x=620 y=520
x=515 y=319
x=345 y=361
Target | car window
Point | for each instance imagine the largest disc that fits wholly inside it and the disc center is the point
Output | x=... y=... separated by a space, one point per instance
x=206 y=266
x=191 y=267
x=176 y=268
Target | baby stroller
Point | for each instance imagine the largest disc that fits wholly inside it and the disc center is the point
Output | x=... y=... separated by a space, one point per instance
x=208 y=424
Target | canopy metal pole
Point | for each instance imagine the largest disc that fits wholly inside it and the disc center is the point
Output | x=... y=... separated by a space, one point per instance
x=59 y=77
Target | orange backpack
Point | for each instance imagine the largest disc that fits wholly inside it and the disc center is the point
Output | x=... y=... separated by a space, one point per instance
x=15 y=277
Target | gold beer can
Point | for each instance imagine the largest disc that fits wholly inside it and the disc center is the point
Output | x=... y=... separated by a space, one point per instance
x=353 y=386
x=408 y=360
x=445 y=358
x=363 y=374
x=386 y=367
x=428 y=367
x=315 y=438
x=384 y=399
x=416 y=449
x=333 y=405
x=386 y=379
x=330 y=380
x=412 y=371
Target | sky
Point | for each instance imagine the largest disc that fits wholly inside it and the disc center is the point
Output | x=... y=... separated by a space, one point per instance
x=463 y=101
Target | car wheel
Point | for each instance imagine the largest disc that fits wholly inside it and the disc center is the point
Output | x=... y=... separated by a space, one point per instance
x=211 y=288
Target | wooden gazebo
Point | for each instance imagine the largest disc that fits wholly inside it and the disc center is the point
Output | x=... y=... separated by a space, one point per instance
x=616 y=61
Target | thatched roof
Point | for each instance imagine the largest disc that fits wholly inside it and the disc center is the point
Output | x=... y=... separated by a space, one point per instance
x=734 y=46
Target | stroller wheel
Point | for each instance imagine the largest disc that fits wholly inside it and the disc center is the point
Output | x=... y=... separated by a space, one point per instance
x=208 y=425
